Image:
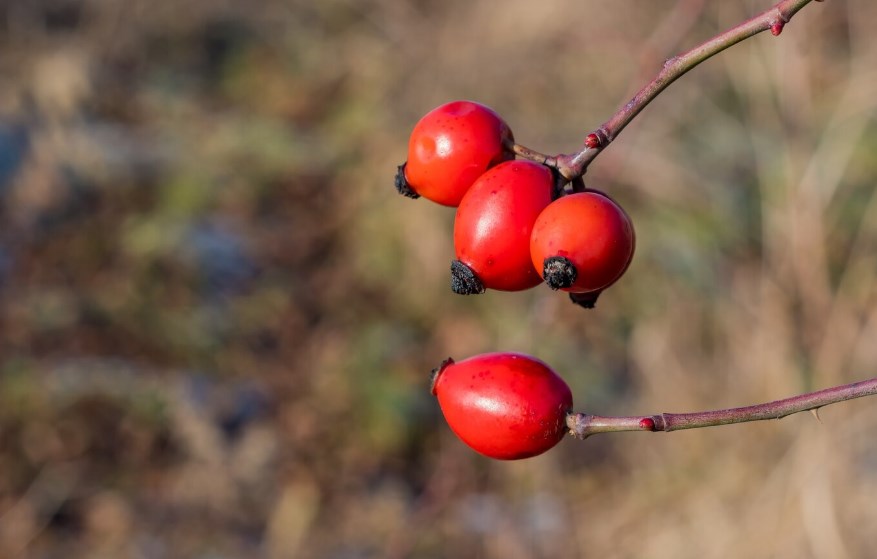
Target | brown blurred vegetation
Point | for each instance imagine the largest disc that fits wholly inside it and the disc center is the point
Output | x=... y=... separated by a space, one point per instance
x=217 y=319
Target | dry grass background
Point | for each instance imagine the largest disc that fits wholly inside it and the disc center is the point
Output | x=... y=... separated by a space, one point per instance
x=217 y=318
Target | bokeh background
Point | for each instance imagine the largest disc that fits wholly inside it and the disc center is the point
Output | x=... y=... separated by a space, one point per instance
x=217 y=317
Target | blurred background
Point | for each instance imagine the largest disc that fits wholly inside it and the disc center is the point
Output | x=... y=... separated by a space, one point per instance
x=217 y=317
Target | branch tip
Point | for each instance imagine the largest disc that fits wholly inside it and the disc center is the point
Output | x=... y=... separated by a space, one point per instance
x=773 y=19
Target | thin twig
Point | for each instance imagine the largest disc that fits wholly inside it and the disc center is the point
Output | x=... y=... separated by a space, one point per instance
x=531 y=154
x=582 y=425
x=574 y=165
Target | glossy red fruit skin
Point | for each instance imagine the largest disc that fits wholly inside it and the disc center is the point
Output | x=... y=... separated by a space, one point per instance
x=494 y=221
x=504 y=405
x=453 y=145
x=592 y=231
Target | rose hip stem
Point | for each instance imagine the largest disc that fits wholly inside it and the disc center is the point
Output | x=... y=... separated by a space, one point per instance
x=582 y=425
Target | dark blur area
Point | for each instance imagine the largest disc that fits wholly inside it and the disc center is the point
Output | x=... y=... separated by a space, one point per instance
x=217 y=318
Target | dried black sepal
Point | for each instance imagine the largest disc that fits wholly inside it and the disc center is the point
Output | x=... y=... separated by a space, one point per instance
x=402 y=186
x=434 y=375
x=586 y=300
x=464 y=281
x=559 y=272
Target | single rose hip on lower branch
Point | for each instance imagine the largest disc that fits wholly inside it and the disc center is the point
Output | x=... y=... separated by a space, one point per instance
x=504 y=405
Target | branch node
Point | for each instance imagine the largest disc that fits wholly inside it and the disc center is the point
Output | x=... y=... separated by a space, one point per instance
x=670 y=61
x=579 y=425
x=778 y=22
x=660 y=421
x=592 y=141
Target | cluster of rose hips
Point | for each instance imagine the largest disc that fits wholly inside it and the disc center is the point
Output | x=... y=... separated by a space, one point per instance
x=517 y=223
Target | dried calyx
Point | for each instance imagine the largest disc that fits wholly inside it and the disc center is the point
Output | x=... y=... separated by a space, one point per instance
x=463 y=280
x=402 y=186
x=559 y=272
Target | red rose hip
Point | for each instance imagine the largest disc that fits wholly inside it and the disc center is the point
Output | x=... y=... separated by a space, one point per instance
x=493 y=225
x=582 y=242
x=450 y=147
x=504 y=405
